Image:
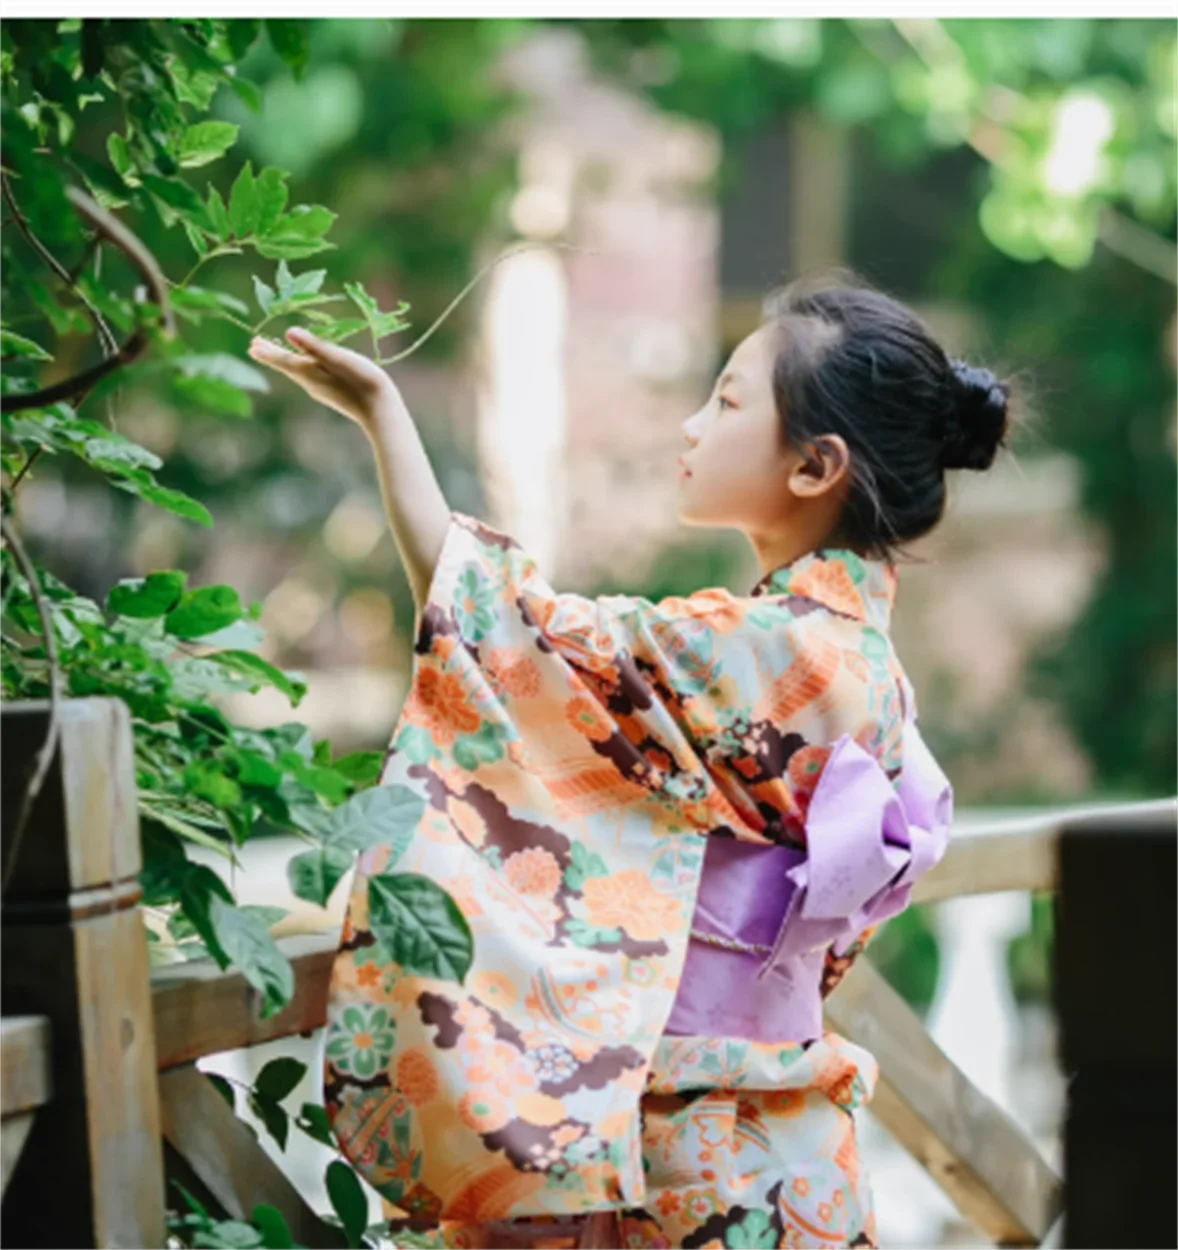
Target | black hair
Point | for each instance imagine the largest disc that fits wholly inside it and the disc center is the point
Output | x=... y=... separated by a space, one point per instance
x=853 y=361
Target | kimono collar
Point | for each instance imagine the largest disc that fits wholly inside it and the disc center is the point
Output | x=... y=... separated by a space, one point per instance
x=840 y=580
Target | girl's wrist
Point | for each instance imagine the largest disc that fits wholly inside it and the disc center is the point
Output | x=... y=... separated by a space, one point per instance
x=387 y=409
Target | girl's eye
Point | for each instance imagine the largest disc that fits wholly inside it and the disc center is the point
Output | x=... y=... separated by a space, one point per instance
x=724 y=400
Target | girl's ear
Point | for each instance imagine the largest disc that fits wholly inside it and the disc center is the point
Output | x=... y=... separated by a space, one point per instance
x=825 y=462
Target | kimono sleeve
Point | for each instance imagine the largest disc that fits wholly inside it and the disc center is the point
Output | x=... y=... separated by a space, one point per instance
x=634 y=676
x=493 y=590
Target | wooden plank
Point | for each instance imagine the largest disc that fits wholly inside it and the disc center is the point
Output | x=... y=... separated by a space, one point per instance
x=25 y=1080
x=86 y=799
x=200 y=1010
x=75 y=952
x=200 y=1126
x=14 y=1131
x=1021 y=855
x=983 y=1161
x=1118 y=941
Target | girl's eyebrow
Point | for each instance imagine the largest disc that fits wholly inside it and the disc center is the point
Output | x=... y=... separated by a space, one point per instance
x=729 y=377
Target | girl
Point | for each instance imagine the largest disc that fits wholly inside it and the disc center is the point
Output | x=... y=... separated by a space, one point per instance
x=671 y=826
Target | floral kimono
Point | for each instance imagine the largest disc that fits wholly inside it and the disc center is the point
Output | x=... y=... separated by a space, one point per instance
x=670 y=827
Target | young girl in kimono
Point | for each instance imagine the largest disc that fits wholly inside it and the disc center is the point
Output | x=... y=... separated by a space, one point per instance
x=670 y=825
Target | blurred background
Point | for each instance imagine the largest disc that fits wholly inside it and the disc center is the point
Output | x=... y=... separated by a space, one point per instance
x=1013 y=181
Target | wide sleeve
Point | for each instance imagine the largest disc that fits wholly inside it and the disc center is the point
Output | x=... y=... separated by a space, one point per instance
x=645 y=682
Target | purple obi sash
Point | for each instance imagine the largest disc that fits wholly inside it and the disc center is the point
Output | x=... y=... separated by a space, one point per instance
x=765 y=915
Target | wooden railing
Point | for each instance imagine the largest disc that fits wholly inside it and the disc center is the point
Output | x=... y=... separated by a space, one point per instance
x=84 y=1112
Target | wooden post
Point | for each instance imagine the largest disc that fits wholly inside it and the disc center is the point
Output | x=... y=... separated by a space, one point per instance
x=75 y=951
x=1115 y=975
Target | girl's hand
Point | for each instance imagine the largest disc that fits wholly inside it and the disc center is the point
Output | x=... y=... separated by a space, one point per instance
x=336 y=376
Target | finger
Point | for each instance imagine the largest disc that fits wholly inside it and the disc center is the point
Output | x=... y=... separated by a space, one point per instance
x=268 y=353
x=322 y=350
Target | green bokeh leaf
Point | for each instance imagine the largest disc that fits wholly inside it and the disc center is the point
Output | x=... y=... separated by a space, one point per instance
x=202 y=611
x=147 y=597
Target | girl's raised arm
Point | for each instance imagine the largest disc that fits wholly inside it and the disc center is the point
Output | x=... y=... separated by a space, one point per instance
x=362 y=391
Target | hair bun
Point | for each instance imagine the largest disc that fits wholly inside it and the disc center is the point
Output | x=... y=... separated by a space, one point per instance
x=977 y=419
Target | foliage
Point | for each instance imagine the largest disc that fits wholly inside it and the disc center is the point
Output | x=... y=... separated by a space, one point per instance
x=1073 y=117
x=1029 y=954
x=905 y=951
x=166 y=649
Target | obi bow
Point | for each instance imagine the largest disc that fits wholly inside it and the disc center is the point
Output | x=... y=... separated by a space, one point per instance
x=866 y=842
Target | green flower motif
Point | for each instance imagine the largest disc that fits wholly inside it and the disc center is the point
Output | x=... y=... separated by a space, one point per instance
x=474 y=604
x=753 y=1231
x=360 y=1042
x=874 y=646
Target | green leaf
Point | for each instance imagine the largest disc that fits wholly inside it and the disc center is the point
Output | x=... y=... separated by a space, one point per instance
x=339 y=330
x=247 y=93
x=269 y=916
x=289 y=38
x=314 y=874
x=347 y=1199
x=199 y=246
x=271 y=194
x=362 y=768
x=229 y=1235
x=242 y=635
x=279 y=1077
x=226 y=368
x=264 y=295
x=194 y=86
x=193 y=1203
x=289 y=247
x=205 y=779
x=244 y=207
x=121 y=160
x=240 y=33
x=206 y=142
x=214 y=394
x=115 y=455
x=306 y=284
x=147 y=597
x=269 y=1221
x=181 y=198
x=363 y=301
x=313 y=1121
x=202 y=611
x=219 y=217
x=274 y=1117
x=214 y=301
x=142 y=484
x=246 y=942
x=420 y=926
x=222 y=1086
x=186 y=829
x=384 y=814
x=380 y=323
x=254 y=666
x=304 y=222
x=17 y=345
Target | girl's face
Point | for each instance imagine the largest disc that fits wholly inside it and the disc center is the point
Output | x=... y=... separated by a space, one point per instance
x=741 y=473
x=734 y=470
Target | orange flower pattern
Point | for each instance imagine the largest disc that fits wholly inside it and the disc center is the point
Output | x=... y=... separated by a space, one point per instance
x=572 y=754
